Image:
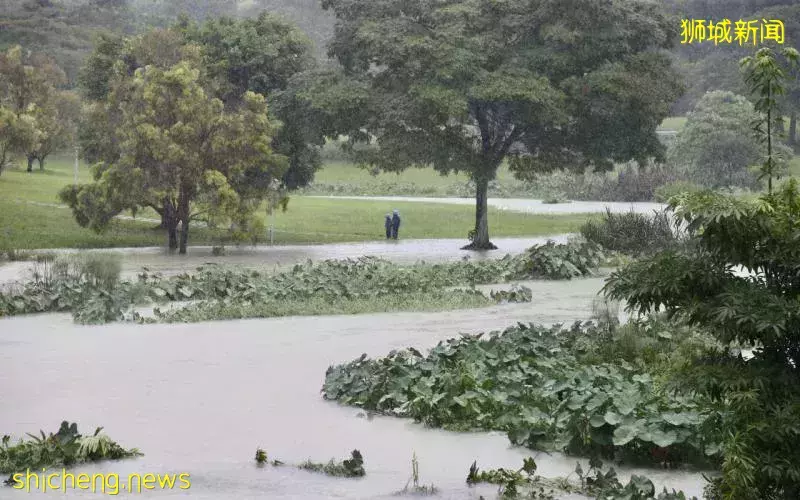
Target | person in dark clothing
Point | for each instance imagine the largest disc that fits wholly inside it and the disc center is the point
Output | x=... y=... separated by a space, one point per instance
x=395 y=224
x=388 y=225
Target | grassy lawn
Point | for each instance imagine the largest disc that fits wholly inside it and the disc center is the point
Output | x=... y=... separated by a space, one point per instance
x=26 y=225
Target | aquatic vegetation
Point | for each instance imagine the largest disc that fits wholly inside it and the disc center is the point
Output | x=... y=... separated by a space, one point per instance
x=416 y=488
x=511 y=481
x=351 y=467
x=560 y=262
x=262 y=458
x=65 y=448
x=596 y=482
x=582 y=390
x=92 y=291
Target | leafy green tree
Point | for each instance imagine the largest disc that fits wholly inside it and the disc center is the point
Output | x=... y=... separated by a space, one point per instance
x=757 y=398
x=464 y=85
x=718 y=145
x=56 y=120
x=27 y=89
x=17 y=134
x=266 y=55
x=179 y=145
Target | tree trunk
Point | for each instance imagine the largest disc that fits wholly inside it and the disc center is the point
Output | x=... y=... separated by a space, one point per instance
x=41 y=162
x=30 y=163
x=793 y=129
x=480 y=238
x=183 y=215
x=184 y=236
x=170 y=219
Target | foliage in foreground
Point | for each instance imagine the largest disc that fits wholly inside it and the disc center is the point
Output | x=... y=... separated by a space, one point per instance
x=350 y=467
x=583 y=390
x=739 y=281
x=94 y=294
x=65 y=448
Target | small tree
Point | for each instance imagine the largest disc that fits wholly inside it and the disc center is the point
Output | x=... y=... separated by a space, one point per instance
x=17 y=134
x=758 y=399
x=766 y=79
x=718 y=145
x=27 y=87
x=178 y=144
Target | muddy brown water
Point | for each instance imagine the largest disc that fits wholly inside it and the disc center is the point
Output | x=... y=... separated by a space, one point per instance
x=200 y=398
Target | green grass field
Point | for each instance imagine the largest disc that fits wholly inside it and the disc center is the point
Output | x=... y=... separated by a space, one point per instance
x=26 y=222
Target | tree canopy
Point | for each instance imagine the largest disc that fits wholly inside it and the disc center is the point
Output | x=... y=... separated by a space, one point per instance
x=165 y=141
x=718 y=146
x=463 y=85
x=37 y=117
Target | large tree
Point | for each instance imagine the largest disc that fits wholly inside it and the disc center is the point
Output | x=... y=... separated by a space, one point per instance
x=170 y=143
x=462 y=85
x=269 y=56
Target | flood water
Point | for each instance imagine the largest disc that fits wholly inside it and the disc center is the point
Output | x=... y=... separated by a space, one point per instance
x=526 y=205
x=403 y=251
x=200 y=398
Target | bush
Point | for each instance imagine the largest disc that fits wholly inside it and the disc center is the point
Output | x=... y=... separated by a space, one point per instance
x=631 y=233
x=567 y=261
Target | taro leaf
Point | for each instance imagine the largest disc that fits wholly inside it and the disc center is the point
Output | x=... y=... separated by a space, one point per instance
x=597 y=421
x=713 y=449
x=596 y=402
x=624 y=406
x=643 y=486
x=612 y=418
x=576 y=402
x=675 y=418
x=624 y=434
x=663 y=439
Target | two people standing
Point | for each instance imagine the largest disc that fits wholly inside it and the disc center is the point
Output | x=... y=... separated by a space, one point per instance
x=392 y=225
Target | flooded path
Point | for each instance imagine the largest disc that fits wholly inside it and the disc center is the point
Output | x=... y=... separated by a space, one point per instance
x=403 y=251
x=200 y=398
x=526 y=205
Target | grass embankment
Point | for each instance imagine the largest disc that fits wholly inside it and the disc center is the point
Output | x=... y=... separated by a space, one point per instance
x=29 y=217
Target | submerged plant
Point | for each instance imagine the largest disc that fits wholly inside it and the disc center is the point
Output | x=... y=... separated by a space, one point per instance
x=416 y=489
x=64 y=448
x=351 y=467
x=262 y=459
